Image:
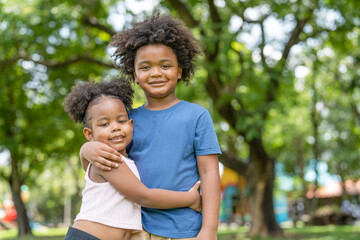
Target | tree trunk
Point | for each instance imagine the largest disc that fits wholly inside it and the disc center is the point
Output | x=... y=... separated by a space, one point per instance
x=316 y=149
x=260 y=178
x=15 y=183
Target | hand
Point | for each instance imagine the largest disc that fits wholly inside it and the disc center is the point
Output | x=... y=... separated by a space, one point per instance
x=197 y=204
x=100 y=155
x=206 y=235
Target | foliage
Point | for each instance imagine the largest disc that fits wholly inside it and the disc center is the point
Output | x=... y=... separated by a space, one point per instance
x=255 y=55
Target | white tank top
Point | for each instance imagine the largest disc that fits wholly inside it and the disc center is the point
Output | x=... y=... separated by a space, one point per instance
x=102 y=203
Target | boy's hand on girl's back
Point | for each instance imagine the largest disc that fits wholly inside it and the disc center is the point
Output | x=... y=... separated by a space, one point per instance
x=206 y=235
x=100 y=155
x=197 y=204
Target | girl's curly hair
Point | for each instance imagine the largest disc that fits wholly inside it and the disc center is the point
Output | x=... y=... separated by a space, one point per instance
x=86 y=94
x=164 y=30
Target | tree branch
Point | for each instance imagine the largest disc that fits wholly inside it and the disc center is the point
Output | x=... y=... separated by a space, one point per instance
x=92 y=21
x=69 y=61
x=231 y=161
x=239 y=11
x=215 y=17
x=349 y=94
x=294 y=38
x=262 y=45
x=184 y=13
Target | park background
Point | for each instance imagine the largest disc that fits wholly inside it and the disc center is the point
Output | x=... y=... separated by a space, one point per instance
x=280 y=79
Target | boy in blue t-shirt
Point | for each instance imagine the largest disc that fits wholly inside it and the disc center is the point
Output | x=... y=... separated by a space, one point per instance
x=174 y=141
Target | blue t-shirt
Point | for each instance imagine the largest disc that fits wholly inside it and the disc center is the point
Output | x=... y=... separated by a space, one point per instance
x=164 y=147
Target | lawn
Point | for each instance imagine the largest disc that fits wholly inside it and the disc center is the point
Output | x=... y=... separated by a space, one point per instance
x=44 y=234
x=308 y=233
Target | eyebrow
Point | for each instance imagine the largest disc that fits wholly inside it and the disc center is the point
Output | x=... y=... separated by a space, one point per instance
x=106 y=118
x=148 y=61
x=103 y=118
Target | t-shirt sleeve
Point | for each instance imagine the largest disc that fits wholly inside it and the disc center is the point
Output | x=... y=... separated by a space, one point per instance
x=205 y=137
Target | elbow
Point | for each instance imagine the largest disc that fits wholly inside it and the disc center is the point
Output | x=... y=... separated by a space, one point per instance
x=144 y=200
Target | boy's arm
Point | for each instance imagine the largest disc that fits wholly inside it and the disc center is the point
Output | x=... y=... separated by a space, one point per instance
x=100 y=155
x=210 y=188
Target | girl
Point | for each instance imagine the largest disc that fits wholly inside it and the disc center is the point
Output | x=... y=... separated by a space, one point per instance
x=110 y=205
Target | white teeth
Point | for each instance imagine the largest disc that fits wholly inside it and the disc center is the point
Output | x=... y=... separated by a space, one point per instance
x=117 y=138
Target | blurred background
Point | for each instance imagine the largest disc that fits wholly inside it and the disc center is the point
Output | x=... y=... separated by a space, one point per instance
x=280 y=79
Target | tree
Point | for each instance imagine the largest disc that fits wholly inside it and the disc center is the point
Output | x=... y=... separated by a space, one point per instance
x=42 y=56
x=246 y=72
x=246 y=83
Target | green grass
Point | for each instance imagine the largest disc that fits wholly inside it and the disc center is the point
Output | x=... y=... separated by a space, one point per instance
x=45 y=234
x=304 y=233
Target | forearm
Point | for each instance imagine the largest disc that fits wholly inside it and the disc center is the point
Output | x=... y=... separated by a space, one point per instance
x=84 y=161
x=124 y=181
x=210 y=188
x=165 y=199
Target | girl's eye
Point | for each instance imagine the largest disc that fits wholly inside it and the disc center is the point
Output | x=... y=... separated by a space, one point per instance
x=122 y=121
x=165 y=66
x=104 y=125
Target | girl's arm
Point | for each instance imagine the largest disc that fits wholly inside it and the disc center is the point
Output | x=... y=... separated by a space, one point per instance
x=100 y=155
x=124 y=180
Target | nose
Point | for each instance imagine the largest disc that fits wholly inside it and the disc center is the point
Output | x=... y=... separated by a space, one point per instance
x=115 y=127
x=156 y=71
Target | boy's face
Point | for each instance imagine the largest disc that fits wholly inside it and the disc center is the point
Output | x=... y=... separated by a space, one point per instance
x=110 y=124
x=157 y=71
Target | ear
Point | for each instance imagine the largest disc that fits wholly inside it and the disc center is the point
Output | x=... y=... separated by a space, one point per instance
x=132 y=124
x=179 y=73
x=88 y=133
x=135 y=77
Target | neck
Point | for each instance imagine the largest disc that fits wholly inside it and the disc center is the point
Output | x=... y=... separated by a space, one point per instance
x=123 y=152
x=160 y=104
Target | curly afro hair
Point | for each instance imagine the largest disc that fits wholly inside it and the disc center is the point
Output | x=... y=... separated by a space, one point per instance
x=164 y=30
x=86 y=94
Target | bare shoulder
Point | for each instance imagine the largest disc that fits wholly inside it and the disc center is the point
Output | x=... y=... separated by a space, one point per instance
x=96 y=174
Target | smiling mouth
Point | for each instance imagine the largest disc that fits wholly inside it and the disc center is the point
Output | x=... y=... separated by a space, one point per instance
x=157 y=83
x=117 y=139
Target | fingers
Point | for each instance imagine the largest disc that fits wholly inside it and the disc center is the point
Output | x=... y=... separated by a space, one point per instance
x=102 y=167
x=197 y=185
x=199 y=208
x=111 y=156
x=104 y=164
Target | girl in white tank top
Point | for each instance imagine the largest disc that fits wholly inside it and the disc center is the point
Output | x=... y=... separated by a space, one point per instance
x=111 y=199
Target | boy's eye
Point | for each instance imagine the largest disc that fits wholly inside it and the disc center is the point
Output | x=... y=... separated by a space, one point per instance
x=145 y=68
x=122 y=121
x=165 y=66
x=104 y=124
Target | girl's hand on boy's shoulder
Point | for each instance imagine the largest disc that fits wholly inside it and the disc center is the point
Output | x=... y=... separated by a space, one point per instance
x=197 y=203
x=100 y=155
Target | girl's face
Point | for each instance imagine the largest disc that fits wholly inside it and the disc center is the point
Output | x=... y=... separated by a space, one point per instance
x=156 y=70
x=110 y=124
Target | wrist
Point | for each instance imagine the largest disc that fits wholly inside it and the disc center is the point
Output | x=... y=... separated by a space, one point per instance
x=81 y=153
x=210 y=227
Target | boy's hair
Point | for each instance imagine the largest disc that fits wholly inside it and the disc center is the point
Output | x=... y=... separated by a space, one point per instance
x=164 y=30
x=86 y=94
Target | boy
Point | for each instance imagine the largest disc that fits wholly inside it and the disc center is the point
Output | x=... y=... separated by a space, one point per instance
x=174 y=141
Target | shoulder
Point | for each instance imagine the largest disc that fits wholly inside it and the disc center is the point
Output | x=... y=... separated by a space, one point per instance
x=194 y=113
x=193 y=107
x=135 y=111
